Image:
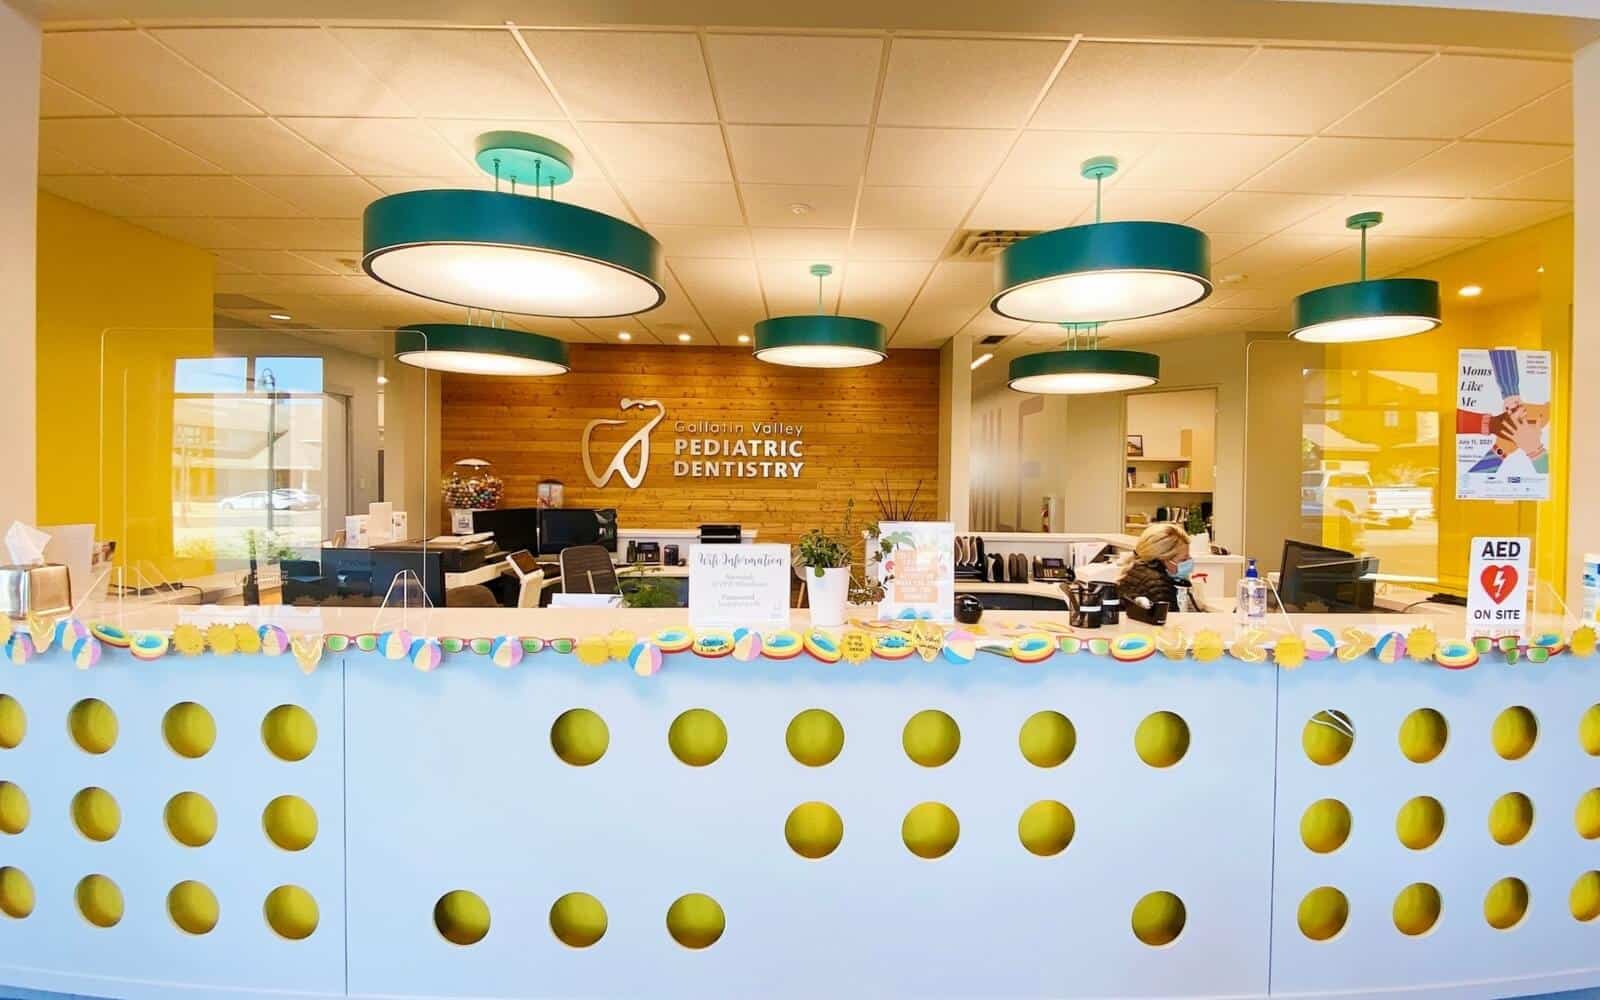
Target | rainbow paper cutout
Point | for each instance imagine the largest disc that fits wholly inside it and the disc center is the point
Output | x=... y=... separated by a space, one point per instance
x=674 y=640
x=782 y=645
x=713 y=645
x=898 y=645
x=821 y=645
x=110 y=635
x=148 y=646
x=1132 y=647
x=1456 y=654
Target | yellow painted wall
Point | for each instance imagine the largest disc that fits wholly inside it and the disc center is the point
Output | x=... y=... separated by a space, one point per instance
x=153 y=294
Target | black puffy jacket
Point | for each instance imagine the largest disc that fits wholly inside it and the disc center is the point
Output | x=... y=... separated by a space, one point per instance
x=1151 y=581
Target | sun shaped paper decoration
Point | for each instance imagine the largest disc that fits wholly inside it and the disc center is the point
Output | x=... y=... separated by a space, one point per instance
x=1422 y=643
x=1289 y=651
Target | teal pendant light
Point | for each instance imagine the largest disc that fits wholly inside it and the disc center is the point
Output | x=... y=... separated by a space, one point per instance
x=469 y=349
x=509 y=252
x=1104 y=271
x=1082 y=366
x=1384 y=309
x=821 y=340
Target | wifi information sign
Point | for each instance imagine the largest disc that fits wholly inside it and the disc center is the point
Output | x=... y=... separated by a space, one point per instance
x=1497 y=586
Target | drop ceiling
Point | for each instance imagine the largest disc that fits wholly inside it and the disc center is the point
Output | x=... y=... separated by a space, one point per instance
x=752 y=155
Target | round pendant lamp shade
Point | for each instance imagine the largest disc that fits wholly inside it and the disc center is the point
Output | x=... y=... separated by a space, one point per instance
x=820 y=341
x=479 y=350
x=1103 y=272
x=1367 y=310
x=1078 y=372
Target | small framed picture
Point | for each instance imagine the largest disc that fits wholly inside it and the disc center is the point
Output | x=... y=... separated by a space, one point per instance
x=1135 y=445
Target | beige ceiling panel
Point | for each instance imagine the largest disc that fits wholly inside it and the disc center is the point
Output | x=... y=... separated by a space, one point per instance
x=1339 y=166
x=343 y=235
x=800 y=244
x=674 y=204
x=626 y=76
x=56 y=101
x=1465 y=169
x=881 y=290
x=898 y=244
x=913 y=207
x=653 y=152
x=254 y=285
x=1553 y=183
x=221 y=266
x=1453 y=95
x=989 y=323
x=1549 y=119
x=906 y=338
x=330 y=284
x=210 y=234
x=463 y=133
x=1204 y=162
x=1268 y=297
x=790 y=288
x=798 y=154
x=1132 y=85
x=954 y=293
x=775 y=78
x=385 y=146
x=112 y=195
x=703 y=241
x=1055 y=159
x=1298 y=91
x=677 y=312
x=727 y=293
x=1279 y=254
x=400 y=185
x=1401 y=216
x=117 y=146
x=1399 y=253
x=607 y=330
x=133 y=74
x=1224 y=244
x=935 y=157
x=561 y=329
x=218 y=197
x=1029 y=208
x=454 y=73
x=272 y=262
x=323 y=197
x=1258 y=212
x=594 y=194
x=52 y=161
x=965 y=82
x=338 y=261
x=1484 y=217
x=1123 y=204
x=799 y=204
x=245 y=145
x=287 y=71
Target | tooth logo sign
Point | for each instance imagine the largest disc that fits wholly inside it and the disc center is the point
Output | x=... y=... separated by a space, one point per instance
x=640 y=441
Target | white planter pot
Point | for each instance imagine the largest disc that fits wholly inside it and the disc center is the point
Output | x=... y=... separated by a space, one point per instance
x=826 y=594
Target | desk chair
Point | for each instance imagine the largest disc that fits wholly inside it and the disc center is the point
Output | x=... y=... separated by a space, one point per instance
x=587 y=569
x=530 y=589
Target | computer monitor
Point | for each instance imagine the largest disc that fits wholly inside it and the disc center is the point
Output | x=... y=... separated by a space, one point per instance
x=1319 y=578
x=514 y=527
x=563 y=527
x=365 y=576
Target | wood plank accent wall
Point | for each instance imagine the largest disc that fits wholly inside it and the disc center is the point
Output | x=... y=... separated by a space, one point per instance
x=859 y=426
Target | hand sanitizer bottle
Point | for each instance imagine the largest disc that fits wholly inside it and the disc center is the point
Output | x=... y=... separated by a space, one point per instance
x=1252 y=602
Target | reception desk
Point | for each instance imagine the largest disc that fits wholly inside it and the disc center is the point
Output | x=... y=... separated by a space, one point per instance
x=349 y=805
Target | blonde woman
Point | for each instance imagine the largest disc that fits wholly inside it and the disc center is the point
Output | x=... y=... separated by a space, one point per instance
x=1159 y=573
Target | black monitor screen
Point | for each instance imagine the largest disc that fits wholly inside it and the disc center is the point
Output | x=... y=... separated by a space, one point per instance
x=514 y=527
x=1318 y=578
x=563 y=527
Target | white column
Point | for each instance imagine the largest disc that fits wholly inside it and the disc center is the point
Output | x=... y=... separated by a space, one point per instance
x=19 y=186
x=1583 y=527
x=955 y=431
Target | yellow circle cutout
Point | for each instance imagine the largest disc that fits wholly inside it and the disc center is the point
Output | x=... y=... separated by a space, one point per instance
x=931 y=738
x=193 y=907
x=1423 y=734
x=1514 y=733
x=1510 y=818
x=13 y=722
x=14 y=809
x=697 y=737
x=189 y=729
x=290 y=822
x=1325 y=826
x=1046 y=828
x=96 y=814
x=1417 y=909
x=696 y=920
x=1328 y=737
x=1588 y=729
x=289 y=732
x=1047 y=739
x=462 y=917
x=1158 y=918
x=578 y=920
x=1161 y=739
x=1587 y=816
x=1585 y=897
x=93 y=725
x=813 y=830
x=1323 y=913
x=1420 y=822
x=814 y=737
x=99 y=900
x=16 y=893
x=579 y=737
x=930 y=830
x=291 y=912
x=191 y=819
x=1506 y=903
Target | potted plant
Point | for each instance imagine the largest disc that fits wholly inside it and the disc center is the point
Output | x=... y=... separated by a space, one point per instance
x=825 y=560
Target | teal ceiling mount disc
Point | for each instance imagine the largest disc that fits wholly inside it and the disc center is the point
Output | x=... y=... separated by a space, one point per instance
x=1098 y=168
x=1363 y=220
x=1069 y=372
x=1103 y=272
x=479 y=350
x=1382 y=309
x=820 y=341
x=524 y=159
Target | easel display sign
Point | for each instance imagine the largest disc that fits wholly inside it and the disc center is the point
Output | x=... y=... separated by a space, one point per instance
x=918 y=571
x=739 y=585
x=1497 y=586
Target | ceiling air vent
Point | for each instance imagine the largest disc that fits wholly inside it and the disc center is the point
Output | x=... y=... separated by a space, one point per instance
x=992 y=339
x=984 y=244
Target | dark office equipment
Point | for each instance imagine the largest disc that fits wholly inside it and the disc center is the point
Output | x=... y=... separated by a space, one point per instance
x=365 y=576
x=1051 y=569
x=648 y=552
x=514 y=527
x=968 y=609
x=633 y=551
x=970 y=563
x=721 y=534
x=1110 y=604
x=997 y=568
x=564 y=527
x=454 y=558
x=1017 y=568
x=669 y=555
x=1317 y=578
x=1084 y=600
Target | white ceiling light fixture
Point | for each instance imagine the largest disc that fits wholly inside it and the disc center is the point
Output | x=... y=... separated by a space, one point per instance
x=280 y=317
x=624 y=335
x=1470 y=291
x=982 y=359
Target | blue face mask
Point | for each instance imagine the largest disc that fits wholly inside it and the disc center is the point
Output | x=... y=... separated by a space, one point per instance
x=1184 y=569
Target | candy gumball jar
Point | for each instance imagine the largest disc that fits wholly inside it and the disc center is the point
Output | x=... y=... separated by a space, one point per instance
x=473 y=486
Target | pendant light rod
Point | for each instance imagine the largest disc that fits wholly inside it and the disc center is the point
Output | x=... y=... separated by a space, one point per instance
x=1097 y=169
x=820 y=271
x=1363 y=221
x=1368 y=309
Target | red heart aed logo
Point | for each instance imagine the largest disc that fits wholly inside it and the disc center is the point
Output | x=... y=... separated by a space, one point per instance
x=1498 y=581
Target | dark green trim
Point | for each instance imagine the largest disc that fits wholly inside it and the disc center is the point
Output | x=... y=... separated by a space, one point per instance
x=1104 y=246
x=820 y=331
x=464 y=338
x=1099 y=362
x=1362 y=299
x=495 y=218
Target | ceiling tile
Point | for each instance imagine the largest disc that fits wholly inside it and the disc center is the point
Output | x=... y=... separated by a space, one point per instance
x=56 y=101
x=52 y=161
x=209 y=234
x=341 y=262
x=238 y=282
x=898 y=244
x=775 y=78
x=384 y=146
x=1297 y=91
x=798 y=154
x=819 y=205
x=329 y=284
x=463 y=133
x=1122 y=204
x=272 y=262
x=1454 y=94
x=454 y=73
x=222 y=267
x=1339 y=166
x=1258 y=212
x=217 y=197
x=1226 y=244
x=1004 y=207
x=964 y=82
x=1398 y=253
x=954 y=293
x=111 y=195
x=1055 y=159
x=323 y=197
x=1279 y=254
x=1205 y=162
x=1469 y=168
x=1548 y=119
x=400 y=185
x=343 y=235
x=1401 y=217
x=117 y=146
x=791 y=289
x=725 y=292
x=675 y=204
x=287 y=71
x=1553 y=183
x=131 y=73
x=703 y=242
x=881 y=290
x=935 y=157
x=245 y=145
x=660 y=152
x=1131 y=85
x=676 y=313
x=626 y=76
x=800 y=244
x=913 y=207
x=1486 y=217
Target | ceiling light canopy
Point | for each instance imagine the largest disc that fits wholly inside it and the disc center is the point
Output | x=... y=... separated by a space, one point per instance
x=509 y=252
x=820 y=340
x=1104 y=271
x=468 y=349
x=1364 y=310
x=1082 y=366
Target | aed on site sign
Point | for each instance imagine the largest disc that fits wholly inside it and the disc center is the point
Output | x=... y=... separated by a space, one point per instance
x=1497 y=585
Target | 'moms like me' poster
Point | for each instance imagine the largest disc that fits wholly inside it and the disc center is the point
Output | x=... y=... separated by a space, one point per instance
x=1503 y=415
